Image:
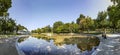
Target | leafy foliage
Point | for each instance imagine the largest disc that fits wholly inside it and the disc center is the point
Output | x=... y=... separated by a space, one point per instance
x=7 y=25
x=4 y=6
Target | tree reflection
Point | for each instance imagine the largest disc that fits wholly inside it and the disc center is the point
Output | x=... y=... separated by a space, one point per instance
x=22 y=39
x=83 y=43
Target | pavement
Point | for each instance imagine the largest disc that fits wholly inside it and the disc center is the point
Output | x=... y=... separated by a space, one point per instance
x=8 y=46
x=109 y=46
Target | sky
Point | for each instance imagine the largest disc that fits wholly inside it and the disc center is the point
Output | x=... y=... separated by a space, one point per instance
x=35 y=14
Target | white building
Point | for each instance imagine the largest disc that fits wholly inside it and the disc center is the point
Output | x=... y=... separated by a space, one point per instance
x=23 y=32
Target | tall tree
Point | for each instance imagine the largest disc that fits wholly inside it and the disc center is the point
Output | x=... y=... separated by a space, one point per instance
x=4 y=6
x=56 y=25
x=86 y=23
x=102 y=20
x=78 y=19
x=90 y=23
x=7 y=25
x=114 y=14
x=20 y=27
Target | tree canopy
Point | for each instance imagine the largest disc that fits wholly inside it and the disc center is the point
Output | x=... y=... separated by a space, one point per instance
x=7 y=24
x=4 y=6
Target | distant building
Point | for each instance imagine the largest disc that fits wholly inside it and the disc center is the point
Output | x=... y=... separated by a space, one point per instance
x=23 y=32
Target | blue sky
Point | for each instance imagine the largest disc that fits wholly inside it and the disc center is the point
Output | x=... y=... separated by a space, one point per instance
x=39 y=13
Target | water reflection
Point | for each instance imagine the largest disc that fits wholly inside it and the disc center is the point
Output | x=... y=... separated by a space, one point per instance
x=58 y=45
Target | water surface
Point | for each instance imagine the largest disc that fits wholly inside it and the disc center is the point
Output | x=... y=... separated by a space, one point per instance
x=58 y=46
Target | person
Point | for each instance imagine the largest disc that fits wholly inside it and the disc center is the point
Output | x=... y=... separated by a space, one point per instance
x=104 y=35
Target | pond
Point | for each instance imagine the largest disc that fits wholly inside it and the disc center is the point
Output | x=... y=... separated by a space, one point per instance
x=58 y=45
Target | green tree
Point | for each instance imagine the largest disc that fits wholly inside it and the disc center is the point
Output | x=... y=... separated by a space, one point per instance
x=90 y=23
x=65 y=28
x=34 y=31
x=7 y=25
x=4 y=6
x=74 y=28
x=56 y=25
x=114 y=14
x=47 y=29
x=102 y=20
x=86 y=23
x=20 y=27
x=38 y=31
x=11 y=25
x=78 y=19
x=59 y=29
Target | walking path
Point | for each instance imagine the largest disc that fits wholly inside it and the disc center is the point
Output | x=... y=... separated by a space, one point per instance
x=8 y=46
x=109 y=46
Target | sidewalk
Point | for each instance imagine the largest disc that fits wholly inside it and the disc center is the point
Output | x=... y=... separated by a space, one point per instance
x=7 y=46
x=109 y=46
